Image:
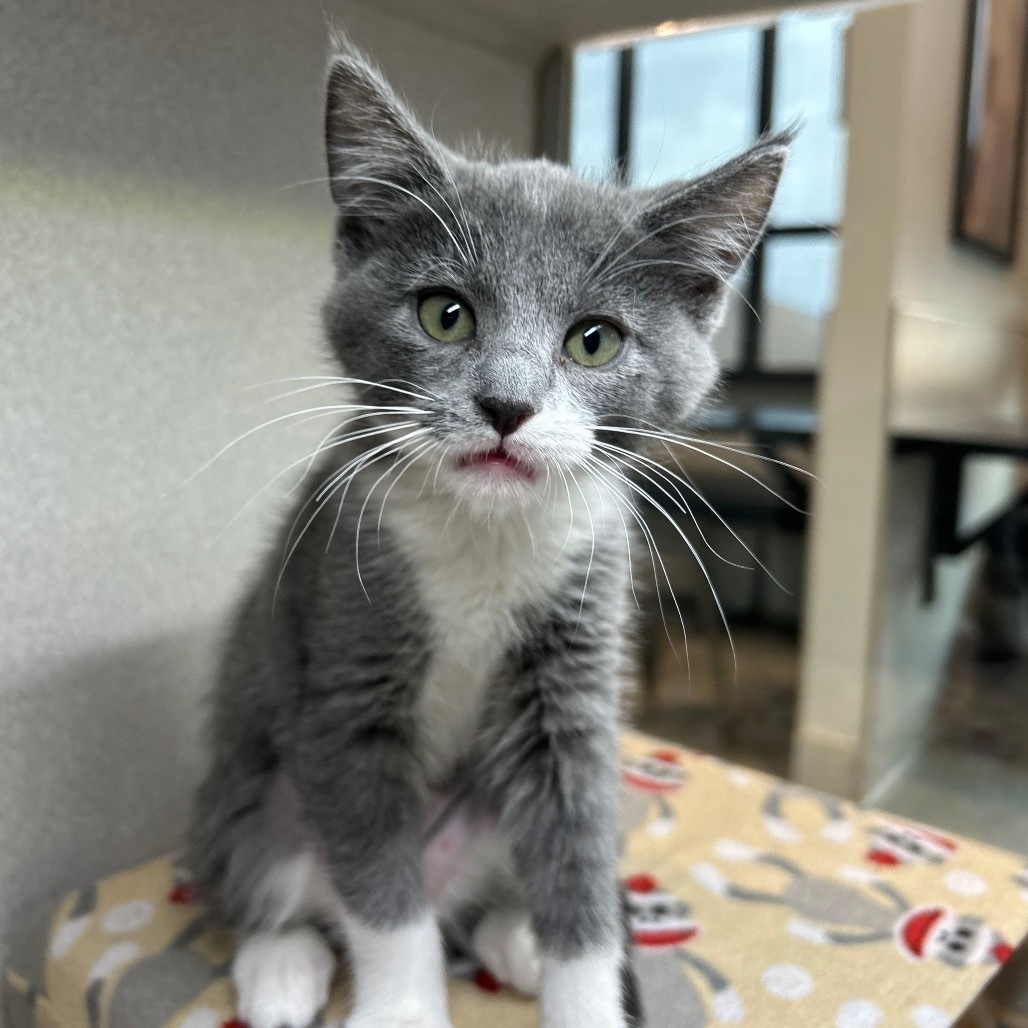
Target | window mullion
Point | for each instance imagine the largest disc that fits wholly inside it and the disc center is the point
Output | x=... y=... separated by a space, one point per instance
x=626 y=82
x=752 y=342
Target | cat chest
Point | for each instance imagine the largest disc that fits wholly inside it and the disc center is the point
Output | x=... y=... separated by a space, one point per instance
x=473 y=623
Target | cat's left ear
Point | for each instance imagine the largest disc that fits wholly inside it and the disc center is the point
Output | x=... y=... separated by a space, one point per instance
x=376 y=149
x=708 y=227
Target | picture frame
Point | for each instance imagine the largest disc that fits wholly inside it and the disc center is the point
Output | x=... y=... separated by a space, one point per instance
x=992 y=139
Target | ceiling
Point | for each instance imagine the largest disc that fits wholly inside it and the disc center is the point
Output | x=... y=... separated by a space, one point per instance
x=527 y=30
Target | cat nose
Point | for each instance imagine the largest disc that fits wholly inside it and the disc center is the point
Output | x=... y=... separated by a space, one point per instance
x=506 y=416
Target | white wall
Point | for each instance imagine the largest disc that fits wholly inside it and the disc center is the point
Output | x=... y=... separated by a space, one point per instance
x=920 y=322
x=958 y=349
x=151 y=268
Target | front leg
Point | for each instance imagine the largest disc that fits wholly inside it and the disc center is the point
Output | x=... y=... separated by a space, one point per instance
x=361 y=787
x=554 y=771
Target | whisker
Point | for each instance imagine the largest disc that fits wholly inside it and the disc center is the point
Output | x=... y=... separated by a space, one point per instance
x=655 y=559
x=310 y=458
x=604 y=273
x=405 y=461
x=375 y=456
x=322 y=495
x=329 y=380
x=643 y=494
x=310 y=413
x=571 y=514
x=680 y=441
x=414 y=196
x=628 y=538
x=623 y=269
x=419 y=452
x=693 y=488
x=680 y=501
x=592 y=550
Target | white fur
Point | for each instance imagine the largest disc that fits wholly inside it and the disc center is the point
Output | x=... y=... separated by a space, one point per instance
x=582 y=993
x=475 y=574
x=293 y=889
x=282 y=978
x=505 y=943
x=399 y=979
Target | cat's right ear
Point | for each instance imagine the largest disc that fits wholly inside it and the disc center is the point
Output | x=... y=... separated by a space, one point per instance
x=377 y=152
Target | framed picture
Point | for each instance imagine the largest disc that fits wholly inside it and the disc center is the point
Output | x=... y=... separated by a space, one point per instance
x=992 y=145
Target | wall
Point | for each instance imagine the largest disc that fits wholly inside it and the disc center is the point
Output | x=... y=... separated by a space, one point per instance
x=152 y=267
x=921 y=323
x=842 y=575
x=958 y=349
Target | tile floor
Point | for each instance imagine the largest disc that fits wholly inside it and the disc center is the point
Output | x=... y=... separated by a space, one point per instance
x=973 y=780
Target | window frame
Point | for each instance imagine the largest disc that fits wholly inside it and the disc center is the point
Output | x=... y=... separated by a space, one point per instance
x=749 y=368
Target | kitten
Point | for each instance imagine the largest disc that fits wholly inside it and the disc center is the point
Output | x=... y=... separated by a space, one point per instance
x=415 y=728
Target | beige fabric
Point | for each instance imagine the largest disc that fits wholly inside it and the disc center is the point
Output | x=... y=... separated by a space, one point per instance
x=784 y=922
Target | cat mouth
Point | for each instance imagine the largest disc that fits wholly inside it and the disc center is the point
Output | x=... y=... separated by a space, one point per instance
x=497 y=461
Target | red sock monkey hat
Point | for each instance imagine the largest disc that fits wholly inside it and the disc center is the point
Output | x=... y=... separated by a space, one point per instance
x=916 y=929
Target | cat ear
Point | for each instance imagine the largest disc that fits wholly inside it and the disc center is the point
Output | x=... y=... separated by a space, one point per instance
x=376 y=149
x=708 y=227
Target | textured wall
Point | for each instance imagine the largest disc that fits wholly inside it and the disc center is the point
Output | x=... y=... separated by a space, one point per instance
x=151 y=268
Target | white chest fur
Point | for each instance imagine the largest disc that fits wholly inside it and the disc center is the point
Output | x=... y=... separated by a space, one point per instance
x=474 y=578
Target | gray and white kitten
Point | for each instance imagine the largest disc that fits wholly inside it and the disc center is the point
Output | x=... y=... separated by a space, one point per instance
x=415 y=728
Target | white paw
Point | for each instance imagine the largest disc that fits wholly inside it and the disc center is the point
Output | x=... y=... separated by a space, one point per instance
x=283 y=979
x=584 y=992
x=506 y=944
x=398 y=975
x=710 y=878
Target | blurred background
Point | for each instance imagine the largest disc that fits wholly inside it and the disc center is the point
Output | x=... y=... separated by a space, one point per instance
x=165 y=236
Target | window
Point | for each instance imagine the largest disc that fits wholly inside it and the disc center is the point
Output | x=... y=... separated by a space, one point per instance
x=673 y=107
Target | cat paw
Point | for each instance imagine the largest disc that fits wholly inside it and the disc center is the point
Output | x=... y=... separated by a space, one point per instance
x=283 y=979
x=506 y=945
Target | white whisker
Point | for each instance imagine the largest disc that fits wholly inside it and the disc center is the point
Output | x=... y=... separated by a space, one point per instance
x=414 y=196
x=310 y=458
x=643 y=494
x=655 y=559
x=682 y=504
x=680 y=441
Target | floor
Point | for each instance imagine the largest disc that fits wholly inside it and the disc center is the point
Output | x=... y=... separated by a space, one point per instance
x=749 y=720
x=968 y=794
x=973 y=780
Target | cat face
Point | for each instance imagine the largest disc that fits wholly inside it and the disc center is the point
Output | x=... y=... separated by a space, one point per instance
x=535 y=314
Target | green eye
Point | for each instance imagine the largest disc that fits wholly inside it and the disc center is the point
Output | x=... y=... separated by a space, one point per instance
x=593 y=343
x=446 y=317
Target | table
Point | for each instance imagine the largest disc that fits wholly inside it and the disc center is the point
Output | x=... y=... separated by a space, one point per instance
x=947 y=439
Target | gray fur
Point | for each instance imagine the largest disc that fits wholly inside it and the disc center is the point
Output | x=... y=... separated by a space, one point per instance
x=316 y=740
